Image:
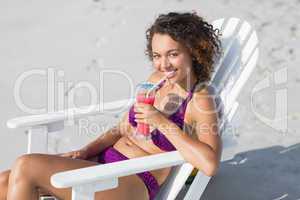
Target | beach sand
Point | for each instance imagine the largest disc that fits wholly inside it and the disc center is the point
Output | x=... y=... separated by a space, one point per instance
x=83 y=38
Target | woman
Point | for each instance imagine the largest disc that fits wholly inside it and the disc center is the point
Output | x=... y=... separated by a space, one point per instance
x=183 y=117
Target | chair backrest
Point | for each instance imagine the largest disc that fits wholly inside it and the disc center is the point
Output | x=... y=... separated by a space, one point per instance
x=240 y=53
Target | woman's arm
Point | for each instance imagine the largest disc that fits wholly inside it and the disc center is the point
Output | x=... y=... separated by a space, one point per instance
x=114 y=134
x=108 y=138
x=204 y=152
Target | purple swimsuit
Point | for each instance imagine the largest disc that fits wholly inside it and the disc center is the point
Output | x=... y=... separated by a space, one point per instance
x=110 y=154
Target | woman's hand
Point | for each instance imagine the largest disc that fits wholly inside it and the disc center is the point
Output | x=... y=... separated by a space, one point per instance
x=78 y=154
x=148 y=114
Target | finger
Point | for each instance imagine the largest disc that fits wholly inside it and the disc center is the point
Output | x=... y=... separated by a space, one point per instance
x=139 y=116
x=141 y=105
x=64 y=155
x=137 y=104
x=144 y=106
x=144 y=114
x=76 y=154
x=141 y=121
x=138 y=109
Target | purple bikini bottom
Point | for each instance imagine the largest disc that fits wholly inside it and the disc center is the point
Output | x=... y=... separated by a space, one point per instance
x=110 y=154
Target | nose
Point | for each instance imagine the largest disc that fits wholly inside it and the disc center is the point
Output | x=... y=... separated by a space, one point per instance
x=165 y=64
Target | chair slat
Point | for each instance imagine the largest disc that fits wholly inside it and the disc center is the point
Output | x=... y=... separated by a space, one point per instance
x=226 y=79
x=226 y=41
x=230 y=57
x=249 y=47
x=175 y=182
x=244 y=76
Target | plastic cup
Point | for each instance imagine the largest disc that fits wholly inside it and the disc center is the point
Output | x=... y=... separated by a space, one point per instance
x=143 y=129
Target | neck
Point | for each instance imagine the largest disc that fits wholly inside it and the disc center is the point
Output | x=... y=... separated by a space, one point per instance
x=186 y=84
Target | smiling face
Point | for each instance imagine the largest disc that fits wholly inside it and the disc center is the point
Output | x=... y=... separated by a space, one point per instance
x=169 y=55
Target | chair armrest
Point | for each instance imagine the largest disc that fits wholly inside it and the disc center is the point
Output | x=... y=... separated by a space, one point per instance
x=92 y=174
x=72 y=113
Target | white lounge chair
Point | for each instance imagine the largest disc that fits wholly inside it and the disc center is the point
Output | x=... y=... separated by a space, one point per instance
x=240 y=47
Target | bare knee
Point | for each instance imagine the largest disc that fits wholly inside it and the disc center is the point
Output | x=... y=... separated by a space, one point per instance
x=4 y=176
x=24 y=168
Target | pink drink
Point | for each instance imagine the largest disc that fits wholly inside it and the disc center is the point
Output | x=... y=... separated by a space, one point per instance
x=143 y=128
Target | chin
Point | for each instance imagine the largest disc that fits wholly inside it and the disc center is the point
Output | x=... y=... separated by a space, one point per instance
x=173 y=80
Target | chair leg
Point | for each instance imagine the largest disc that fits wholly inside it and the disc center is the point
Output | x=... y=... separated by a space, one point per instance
x=197 y=187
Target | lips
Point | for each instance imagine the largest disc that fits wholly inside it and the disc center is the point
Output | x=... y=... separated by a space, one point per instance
x=171 y=74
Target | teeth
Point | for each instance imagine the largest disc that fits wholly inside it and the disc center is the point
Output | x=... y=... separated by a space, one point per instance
x=171 y=73
x=168 y=72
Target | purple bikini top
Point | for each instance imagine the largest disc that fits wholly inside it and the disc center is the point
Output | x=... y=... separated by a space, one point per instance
x=178 y=118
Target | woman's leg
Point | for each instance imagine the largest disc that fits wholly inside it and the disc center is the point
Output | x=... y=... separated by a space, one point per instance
x=4 y=176
x=34 y=171
x=3 y=184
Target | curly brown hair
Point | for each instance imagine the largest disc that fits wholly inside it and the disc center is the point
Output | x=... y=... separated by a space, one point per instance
x=194 y=33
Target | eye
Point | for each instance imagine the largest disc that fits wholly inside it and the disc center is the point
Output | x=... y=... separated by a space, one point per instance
x=173 y=54
x=154 y=57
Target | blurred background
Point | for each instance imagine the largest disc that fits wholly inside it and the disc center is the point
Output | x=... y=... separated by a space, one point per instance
x=82 y=38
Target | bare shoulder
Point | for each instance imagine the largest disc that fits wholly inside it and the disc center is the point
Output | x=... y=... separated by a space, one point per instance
x=204 y=112
x=203 y=100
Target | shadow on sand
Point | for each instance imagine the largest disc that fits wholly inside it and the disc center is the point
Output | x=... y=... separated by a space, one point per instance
x=263 y=174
